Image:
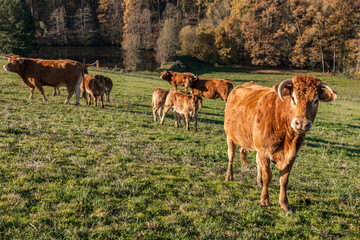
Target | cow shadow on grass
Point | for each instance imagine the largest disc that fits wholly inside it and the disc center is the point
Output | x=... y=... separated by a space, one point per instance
x=318 y=142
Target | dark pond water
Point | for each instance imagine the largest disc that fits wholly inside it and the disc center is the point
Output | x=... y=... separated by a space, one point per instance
x=110 y=57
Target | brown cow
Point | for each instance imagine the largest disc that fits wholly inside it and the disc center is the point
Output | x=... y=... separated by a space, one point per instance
x=175 y=78
x=158 y=101
x=94 y=88
x=182 y=104
x=37 y=73
x=108 y=85
x=210 y=87
x=273 y=122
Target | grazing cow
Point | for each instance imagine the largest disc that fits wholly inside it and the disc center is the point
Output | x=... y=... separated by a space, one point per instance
x=175 y=78
x=94 y=88
x=273 y=122
x=108 y=85
x=182 y=104
x=158 y=101
x=36 y=73
x=209 y=87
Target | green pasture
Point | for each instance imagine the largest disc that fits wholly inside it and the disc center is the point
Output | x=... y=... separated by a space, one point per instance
x=82 y=172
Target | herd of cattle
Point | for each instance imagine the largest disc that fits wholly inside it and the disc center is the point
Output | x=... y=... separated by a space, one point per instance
x=271 y=121
x=37 y=73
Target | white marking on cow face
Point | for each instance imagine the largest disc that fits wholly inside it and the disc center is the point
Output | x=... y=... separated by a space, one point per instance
x=5 y=68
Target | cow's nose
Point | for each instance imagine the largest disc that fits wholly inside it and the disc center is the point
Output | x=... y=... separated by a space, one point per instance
x=301 y=125
x=5 y=68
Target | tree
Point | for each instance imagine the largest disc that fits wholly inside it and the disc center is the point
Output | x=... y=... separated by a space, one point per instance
x=58 y=28
x=138 y=36
x=83 y=22
x=110 y=16
x=168 y=41
x=17 y=27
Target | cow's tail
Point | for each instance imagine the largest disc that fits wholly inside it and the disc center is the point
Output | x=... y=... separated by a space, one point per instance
x=86 y=65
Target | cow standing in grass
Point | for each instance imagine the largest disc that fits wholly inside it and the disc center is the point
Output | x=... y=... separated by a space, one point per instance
x=158 y=102
x=273 y=122
x=108 y=85
x=36 y=73
x=182 y=104
x=92 y=87
x=175 y=78
x=209 y=87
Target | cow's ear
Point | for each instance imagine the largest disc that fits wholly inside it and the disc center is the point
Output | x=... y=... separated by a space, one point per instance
x=285 y=91
x=20 y=60
x=327 y=94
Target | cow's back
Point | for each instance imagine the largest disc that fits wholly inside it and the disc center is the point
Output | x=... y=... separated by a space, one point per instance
x=53 y=72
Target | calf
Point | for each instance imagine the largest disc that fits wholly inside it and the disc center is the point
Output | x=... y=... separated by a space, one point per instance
x=158 y=101
x=182 y=104
x=272 y=122
x=209 y=87
x=108 y=85
x=175 y=78
x=94 y=88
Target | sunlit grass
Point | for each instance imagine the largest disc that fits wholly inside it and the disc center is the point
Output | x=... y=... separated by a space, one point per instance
x=84 y=172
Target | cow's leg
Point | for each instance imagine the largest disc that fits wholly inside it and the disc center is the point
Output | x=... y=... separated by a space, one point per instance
x=77 y=92
x=155 y=109
x=54 y=92
x=284 y=178
x=259 y=174
x=231 y=154
x=41 y=90
x=176 y=118
x=187 y=120
x=195 y=119
x=243 y=157
x=58 y=91
x=266 y=177
x=70 y=93
x=102 y=101
x=108 y=96
x=84 y=94
x=32 y=93
x=159 y=111
x=165 y=111
x=95 y=101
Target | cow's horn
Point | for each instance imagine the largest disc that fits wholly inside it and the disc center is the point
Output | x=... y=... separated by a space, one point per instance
x=281 y=86
x=327 y=86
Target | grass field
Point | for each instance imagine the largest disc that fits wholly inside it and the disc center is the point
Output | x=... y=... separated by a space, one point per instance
x=82 y=172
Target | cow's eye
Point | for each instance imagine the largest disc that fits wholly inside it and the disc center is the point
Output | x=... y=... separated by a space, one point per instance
x=293 y=100
x=316 y=101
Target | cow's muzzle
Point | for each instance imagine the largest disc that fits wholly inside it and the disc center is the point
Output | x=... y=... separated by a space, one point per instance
x=5 y=68
x=301 y=125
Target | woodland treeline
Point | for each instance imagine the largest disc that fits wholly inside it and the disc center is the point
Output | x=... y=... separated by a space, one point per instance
x=317 y=34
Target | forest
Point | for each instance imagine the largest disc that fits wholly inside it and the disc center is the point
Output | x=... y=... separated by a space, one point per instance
x=314 y=34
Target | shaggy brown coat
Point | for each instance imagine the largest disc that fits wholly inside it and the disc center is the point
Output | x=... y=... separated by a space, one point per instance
x=158 y=101
x=92 y=87
x=175 y=78
x=36 y=73
x=273 y=122
x=108 y=85
x=182 y=104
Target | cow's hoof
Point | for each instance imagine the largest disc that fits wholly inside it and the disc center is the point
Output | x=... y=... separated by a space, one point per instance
x=228 y=178
x=287 y=208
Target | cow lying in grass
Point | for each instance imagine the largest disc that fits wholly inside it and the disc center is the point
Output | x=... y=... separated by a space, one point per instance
x=272 y=122
x=92 y=87
x=158 y=101
x=182 y=104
